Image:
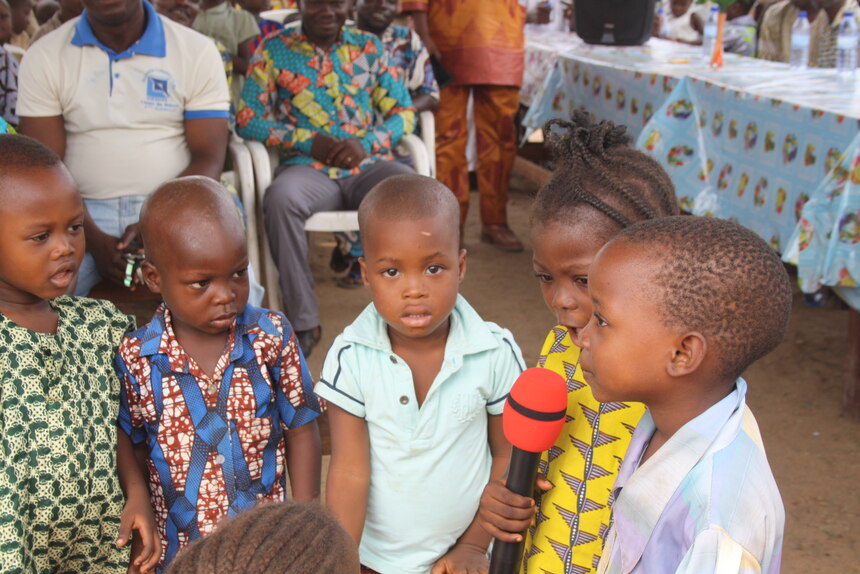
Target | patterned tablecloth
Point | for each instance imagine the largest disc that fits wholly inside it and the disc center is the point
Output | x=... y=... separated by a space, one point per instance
x=775 y=149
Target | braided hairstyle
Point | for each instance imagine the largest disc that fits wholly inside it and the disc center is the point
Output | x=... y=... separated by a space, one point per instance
x=598 y=171
x=273 y=538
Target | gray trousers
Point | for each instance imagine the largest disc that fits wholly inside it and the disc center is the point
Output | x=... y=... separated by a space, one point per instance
x=298 y=192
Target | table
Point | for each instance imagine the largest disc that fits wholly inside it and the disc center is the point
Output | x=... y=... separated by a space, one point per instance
x=775 y=149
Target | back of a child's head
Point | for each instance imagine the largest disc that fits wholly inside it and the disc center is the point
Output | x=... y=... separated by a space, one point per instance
x=273 y=538
x=600 y=177
x=407 y=197
x=717 y=278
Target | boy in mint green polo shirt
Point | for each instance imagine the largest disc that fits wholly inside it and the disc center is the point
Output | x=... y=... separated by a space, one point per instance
x=416 y=386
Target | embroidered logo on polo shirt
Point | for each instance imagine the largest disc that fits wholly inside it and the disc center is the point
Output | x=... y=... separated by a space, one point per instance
x=160 y=89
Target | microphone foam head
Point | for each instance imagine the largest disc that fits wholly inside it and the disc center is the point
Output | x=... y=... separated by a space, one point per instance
x=534 y=411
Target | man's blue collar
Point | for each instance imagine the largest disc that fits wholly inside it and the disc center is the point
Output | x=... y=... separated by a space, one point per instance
x=151 y=43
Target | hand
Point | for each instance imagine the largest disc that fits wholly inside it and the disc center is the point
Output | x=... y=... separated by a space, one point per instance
x=146 y=546
x=505 y=514
x=109 y=259
x=463 y=559
x=322 y=146
x=347 y=154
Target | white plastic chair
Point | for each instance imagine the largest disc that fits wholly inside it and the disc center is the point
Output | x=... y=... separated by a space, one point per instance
x=242 y=178
x=278 y=15
x=265 y=161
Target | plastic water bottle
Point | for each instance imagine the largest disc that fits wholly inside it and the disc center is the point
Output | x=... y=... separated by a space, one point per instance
x=800 y=41
x=664 y=22
x=709 y=36
x=846 y=45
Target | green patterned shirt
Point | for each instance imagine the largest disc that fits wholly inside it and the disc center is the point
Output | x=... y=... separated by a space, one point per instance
x=60 y=498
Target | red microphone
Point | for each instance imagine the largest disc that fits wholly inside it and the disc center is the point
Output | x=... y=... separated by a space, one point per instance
x=532 y=420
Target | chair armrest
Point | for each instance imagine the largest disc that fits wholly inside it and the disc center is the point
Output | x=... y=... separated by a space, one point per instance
x=413 y=145
x=427 y=122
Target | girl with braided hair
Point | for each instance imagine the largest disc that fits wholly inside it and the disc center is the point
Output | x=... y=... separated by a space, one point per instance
x=273 y=538
x=601 y=184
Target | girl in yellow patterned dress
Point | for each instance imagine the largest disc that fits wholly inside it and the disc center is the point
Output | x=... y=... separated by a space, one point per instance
x=601 y=184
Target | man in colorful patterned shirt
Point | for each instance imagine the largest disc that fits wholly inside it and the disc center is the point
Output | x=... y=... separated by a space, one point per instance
x=325 y=97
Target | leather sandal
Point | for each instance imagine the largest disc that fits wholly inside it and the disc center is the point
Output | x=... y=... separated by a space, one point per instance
x=502 y=237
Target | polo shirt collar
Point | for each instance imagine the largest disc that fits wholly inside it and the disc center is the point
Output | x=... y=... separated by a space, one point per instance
x=469 y=334
x=151 y=42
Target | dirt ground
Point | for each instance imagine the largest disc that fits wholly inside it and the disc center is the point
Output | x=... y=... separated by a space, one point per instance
x=795 y=392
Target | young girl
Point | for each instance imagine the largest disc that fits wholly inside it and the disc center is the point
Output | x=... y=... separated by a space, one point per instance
x=61 y=502
x=601 y=184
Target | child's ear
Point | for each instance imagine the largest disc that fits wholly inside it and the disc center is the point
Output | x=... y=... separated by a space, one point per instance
x=690 y=352
x=461 y=262
x=151 y=276
x=363 y=264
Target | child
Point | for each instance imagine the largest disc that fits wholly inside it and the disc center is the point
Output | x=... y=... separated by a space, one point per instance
x=601 y=184
x=62 y=501
x=276 y=538
x=255 y=7
x=682 y=306
x=211 y=382
x=236 y=29
x=416 y=386
x=739 y=37
x=683 y=22
x=21 y=22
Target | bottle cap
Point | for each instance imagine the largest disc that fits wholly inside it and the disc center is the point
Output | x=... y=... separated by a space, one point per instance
x=803 y=14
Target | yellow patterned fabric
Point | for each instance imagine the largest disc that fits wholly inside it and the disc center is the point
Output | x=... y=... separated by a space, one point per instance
x=573 y=517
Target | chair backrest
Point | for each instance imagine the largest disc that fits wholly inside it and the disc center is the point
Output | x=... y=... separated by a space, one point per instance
x=278 y=15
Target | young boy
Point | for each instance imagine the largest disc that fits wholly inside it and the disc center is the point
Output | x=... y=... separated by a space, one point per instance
x=211 y=383
x=416 y=386
x=681 y=307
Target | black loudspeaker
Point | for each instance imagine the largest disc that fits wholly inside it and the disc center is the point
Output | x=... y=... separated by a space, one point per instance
x=614 y=22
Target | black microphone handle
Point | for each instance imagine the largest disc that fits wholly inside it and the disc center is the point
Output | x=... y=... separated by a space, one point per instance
x=507 y=556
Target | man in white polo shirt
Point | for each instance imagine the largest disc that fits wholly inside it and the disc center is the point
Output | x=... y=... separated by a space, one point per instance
x=129 y=100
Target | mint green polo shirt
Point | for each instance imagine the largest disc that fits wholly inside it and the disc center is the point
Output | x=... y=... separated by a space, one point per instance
x=428 y=465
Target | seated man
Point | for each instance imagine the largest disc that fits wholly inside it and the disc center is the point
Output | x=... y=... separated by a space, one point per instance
x=825 y=16
x=323 y=95
x=129 y=100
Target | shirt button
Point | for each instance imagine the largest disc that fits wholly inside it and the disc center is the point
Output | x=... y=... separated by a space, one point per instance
x=47 y=352
x=213 y=388
x=404 y=400
x=393 y=359
x=219 y=459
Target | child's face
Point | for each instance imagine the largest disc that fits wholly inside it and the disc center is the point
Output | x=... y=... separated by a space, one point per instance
x=413 y=269
x=41 y=234
x=562 y=256
x=679 y=7
x=626 y=346
x=180 y=11
x=204 y=282
x=376 y=15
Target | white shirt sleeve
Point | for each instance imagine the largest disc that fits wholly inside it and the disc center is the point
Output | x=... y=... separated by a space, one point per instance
x=338 y=384
x=38 y=83
x=209 y=91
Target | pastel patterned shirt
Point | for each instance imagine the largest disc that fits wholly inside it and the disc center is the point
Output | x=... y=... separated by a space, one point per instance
x=408 y=57
x=573 y=517
x=216 y=445
x=295 y=89
x=705 y=502
x=8 y=87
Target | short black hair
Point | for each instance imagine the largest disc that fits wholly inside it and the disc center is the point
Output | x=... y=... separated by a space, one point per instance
x=720 y=279
x=409 y=197
x=19 y=153
x=597 y=169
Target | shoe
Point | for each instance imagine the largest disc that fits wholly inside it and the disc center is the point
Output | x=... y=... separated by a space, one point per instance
x=309 y=339
x=351 y=280
x=501 y=236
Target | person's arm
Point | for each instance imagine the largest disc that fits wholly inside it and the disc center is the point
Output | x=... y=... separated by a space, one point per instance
x=242 y=57
x=137 y=513
x=206 y=139
x=469 y=554
x=418 y=10
x=348 y=481
x=424 y=103
x=304 y=461
x=51 y=131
